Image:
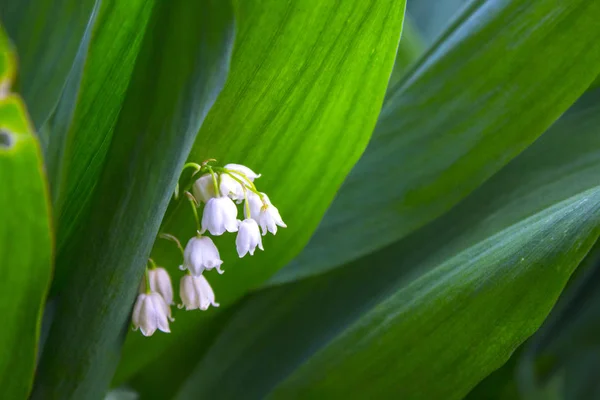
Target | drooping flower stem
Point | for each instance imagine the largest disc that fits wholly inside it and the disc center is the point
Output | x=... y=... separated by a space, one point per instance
x=247 y=204
x=152 y=263
x=196 y=168
x=247 y=185
x=194 y=205
x=172 y=238
x=148 y=290
x=215 y=183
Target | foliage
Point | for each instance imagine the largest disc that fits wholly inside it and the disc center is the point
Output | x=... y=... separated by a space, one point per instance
x=436 y=169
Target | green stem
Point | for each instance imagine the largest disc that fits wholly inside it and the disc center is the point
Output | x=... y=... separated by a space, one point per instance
x=248 y=183
x=194 y=209
x=247 y=204
x=148 y=291
x=244 y=186
x=215 y=183
x=172 y=238
x=196 y=167
x=152 y=263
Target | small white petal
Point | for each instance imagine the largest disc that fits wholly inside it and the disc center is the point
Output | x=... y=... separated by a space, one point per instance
x=220 y=215
x=244 y=170
x=231 y=188
x=150 y=313
x=162 y=312
x=201 y=254
x=248 y=237
x=196 y=293
x=204 y=188
x=255 y=203
x=267 y=216
x=160 y=282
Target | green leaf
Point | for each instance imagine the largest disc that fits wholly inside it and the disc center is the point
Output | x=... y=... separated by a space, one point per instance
x=431 y=315
x=181 y=67
x=47 y=35
x=456 y=119
x=307 y=82
x=25 y=241
x=88 y=116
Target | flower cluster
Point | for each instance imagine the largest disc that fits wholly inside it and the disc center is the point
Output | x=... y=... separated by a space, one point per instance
x=219 y=190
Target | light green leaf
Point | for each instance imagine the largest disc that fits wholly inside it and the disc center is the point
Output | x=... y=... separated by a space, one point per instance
x=180 y=69
x=431 y=315
x=47 y=35
x=25 y=241
x=456 y=119
x=307 y=82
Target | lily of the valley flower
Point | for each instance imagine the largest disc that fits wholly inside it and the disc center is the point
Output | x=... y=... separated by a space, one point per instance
x=196 y=293
x=160 y=282
x=251 y=175
x=204 y=188
x=233 y=185
x=266 y=214
x=201 y=254
x=150 y=313
x=220 y=215
x=231 y=188
x=248 y=237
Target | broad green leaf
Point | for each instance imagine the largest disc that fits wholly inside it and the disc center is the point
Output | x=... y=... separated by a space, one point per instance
x=25 y=241
x=89 y=115
x=180 y=69
x=431 y=315
x=456 y=119
x=47 y=35
x=307 y=82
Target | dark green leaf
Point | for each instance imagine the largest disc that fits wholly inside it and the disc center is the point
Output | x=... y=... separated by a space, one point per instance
x=307 y=82
x=456 y=119
x=180 y=69
x=433 y=314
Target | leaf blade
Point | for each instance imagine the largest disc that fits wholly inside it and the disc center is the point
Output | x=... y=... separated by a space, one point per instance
x=454 y=121
x=178 y=74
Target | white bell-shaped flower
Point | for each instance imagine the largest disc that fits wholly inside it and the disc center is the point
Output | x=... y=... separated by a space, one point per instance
x=231 y=188
x=220 y=215
x=248 y=237
x=196 y=293
x=160 y=282
x=201 y=254
x=150 y=313
x=244 y=170
x=266 y=214
x=204 y=188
